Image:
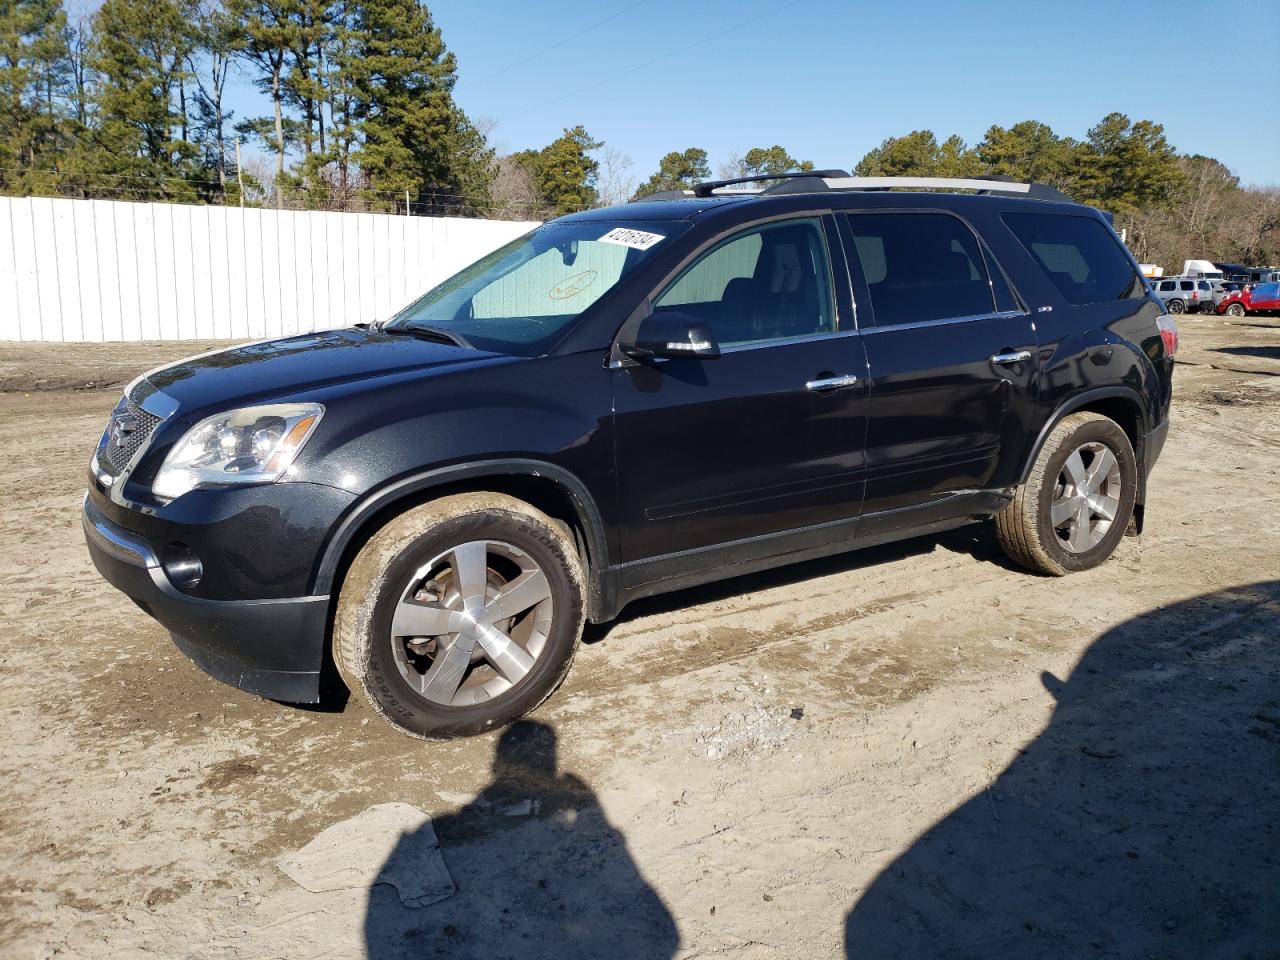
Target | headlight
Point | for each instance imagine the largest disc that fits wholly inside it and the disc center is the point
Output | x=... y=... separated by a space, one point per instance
x=251 y=445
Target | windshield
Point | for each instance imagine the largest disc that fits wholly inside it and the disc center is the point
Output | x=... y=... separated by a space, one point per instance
x=523 y=297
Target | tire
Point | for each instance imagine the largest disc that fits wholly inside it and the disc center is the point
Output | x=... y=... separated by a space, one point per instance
x=1025 y=527
x=410 y=579
x=1235 y=310
x=1177 y=306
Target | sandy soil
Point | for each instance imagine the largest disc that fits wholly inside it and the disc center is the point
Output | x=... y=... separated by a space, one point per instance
x=914 y=751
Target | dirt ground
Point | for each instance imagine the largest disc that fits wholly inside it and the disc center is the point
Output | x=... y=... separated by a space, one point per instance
x=916 y=751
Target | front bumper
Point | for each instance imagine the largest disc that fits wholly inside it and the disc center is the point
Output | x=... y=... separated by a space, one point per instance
x=272 y=648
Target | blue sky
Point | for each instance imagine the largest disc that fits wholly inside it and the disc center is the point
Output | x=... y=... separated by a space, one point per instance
x=829 y=80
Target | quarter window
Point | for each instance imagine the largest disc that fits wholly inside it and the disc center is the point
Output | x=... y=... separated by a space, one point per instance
x=920 y=267
x=769 y=283
x=1082 y=258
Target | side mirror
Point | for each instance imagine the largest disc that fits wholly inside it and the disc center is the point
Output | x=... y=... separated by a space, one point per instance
x=669 y=334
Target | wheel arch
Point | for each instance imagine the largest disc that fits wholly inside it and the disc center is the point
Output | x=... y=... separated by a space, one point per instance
x=553 y=490
x=1121 y=404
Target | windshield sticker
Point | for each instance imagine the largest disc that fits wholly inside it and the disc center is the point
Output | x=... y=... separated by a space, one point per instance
x=636 y=239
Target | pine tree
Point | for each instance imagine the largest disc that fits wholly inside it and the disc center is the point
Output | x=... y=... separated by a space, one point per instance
x=1125 y=166
x=1029 y=151
x=677 y=171
x=218 y=40
x=564 y=176
x=33 y=70
x=138 y=55
x=414 y=137
x=268 y=31
x=762 y=161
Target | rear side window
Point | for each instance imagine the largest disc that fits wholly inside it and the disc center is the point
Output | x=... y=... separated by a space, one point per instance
x=1204 y=284
x=1081 y=256
x=1187 y=285
x=920 y=267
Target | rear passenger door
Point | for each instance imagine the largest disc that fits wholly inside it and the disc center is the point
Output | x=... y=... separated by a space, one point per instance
x=951 y=358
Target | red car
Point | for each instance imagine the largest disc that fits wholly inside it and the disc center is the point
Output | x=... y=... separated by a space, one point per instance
x=1255 y=298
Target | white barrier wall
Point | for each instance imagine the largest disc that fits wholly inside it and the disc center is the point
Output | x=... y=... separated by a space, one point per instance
x=99 y=270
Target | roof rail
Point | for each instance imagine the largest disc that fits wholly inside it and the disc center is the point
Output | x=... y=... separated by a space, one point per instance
x=987 y=185
x=710 y=186
x=820 y=181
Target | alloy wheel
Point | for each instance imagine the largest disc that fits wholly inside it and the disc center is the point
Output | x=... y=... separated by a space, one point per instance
x=471 y=623
x=1086 y=497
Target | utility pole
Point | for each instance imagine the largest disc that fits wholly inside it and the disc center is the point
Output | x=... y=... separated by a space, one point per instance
x=406 y=201
x=239 y=172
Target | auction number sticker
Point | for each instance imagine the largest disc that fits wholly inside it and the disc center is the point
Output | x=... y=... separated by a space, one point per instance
x=636 y=239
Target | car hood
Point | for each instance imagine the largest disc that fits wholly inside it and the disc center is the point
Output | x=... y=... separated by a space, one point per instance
x=268 y=369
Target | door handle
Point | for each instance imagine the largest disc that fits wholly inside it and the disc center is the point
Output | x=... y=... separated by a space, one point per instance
x=1014 y=356
x=831 y=383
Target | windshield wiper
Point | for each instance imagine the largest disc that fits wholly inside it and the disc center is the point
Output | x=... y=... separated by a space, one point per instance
x=427 y=332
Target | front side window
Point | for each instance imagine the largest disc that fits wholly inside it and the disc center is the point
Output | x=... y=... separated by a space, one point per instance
x=920 y=267
x=523 y=297
x=769 y=283
x=1082 y=258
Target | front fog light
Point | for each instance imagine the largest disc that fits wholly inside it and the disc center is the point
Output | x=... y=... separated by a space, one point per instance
x=250 y=445
x=181 y=566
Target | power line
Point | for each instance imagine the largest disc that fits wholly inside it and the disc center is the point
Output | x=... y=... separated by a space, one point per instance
x=558 y=43
x=650 y=63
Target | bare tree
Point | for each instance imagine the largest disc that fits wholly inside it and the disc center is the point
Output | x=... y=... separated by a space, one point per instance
x=512 y=191
x=615 y=183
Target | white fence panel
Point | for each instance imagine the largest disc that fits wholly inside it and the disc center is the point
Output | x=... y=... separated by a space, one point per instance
x=104 y=270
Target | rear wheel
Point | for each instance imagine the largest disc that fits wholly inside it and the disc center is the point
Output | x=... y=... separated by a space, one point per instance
x=460 y=615
x=1235 y=310
x=1177 y=306
x=1076 y=504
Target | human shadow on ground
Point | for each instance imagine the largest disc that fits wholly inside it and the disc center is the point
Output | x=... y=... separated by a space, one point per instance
x=540 y=872
x=1143 y=822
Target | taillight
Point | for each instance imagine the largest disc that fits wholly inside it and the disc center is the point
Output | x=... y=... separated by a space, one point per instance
x=1169 y=334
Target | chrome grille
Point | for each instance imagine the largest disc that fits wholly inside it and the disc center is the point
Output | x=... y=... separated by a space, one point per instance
x=128 y=431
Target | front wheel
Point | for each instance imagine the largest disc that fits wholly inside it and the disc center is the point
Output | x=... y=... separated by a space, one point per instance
x=1077 y=501
x=460 y=615
x=1235 y=310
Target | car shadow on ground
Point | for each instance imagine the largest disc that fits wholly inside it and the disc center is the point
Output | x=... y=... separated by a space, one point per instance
x=540 y=872
x=978 y=540
x=1263 y=352
x=1143 y=822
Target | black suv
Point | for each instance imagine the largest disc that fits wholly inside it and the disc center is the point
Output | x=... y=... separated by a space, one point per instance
x=629 y=401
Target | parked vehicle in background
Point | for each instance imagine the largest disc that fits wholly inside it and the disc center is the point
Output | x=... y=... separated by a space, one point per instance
x=1185 y=294
x=1242 y=274
x=1222 y=289
x=1255 y=298
x=628 y=401
x=1151 y=270
x=1201 y=269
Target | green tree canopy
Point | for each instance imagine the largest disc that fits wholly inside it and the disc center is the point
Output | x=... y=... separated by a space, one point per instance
x=415 y=137
x=33 y=65
x=917 y=154
x=138 y=56
x=1124 y=166
x=1029 y=151
x=761 y=161
x=677 y=171
x=564 y=176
